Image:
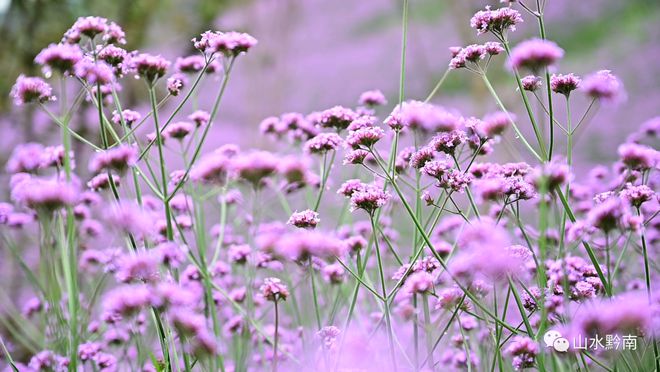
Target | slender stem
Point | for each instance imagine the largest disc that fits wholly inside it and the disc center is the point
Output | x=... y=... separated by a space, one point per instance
x=528 y=107
x=317 y=312
x=437 y=86
x=513 y=123
x=161 y=158
x=388 y=321
x=275 y=337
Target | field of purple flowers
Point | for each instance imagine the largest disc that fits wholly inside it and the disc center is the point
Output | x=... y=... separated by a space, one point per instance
x=381 y=236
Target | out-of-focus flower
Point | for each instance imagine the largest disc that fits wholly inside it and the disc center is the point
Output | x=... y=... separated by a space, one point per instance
x=31 y=89
x=535 y=54
x=305 y=219
x=372 y=98
x=604 y=86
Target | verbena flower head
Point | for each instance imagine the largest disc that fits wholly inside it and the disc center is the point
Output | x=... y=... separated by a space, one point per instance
x=497 y=21
x=323 y=142
x=31 y=89
x=255 y=166
x=448 y=142
x=212 y=169
x=495 y=124
x=149 y=67
x=230 y=44
x=307 y=219
x=524 y=351
x=176 y=83
x=274 y=290
x=118 y=159
x=130 y=117
x=604 y=86
x=372 y=98
x=638 y=194
x=426 y=117
x=364 y=137
x=190 y=64
x=564 y=84
x=337 y=117
x=531 y=83
x=471 y=53
x=45 y=195
x=638 y=157
x=59 y=57
x=200 y=118
x=86 y=26
x=369 y=198
x=535 y=54
x=178 y=130
x=94 y=72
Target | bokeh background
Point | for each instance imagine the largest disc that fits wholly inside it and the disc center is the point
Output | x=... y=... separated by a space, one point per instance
x=313 y=54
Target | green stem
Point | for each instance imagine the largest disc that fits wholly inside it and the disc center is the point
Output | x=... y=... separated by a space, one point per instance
x=161 y=158
x=388 y=321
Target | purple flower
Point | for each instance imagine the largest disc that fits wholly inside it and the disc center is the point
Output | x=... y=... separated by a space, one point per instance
x=239 y=253
x=524 y=351
x=418 y=282
x=302 y=244
x=495 y=124
x=366 y=137
x=200 y=118
x=149 y=67
x=323 y=142
x=274 y=290
x=128 y=300
x=211 y=169
x=44 y=194
x=448 y=142
x=118 y=159
x=337 y=117
x=88 y=350
x=115 y=57
x=31 y=89
x=102 y=181
x=638 y=157
x=26 y=158
x=87 y=26
x=94 y=72
x=130 y=117
x=369 y=197
x=190 y=64
x=255 y=166
x=427 y=117
x=139 y=267
x=178 y=130
x=349 y=187
x=175 y=84
x=531 y=83
x=355 y=157
x=496 y=21
x=471 y=53
x=59 y=57
x=132 y=219
x=607 y=215
x=333 y=273
x=306 y=219
x=372 y=98
x=422 y=156
x=564 y=84
x=637 y=195
x=228 y=43
x=535 y=54
x=604 y=86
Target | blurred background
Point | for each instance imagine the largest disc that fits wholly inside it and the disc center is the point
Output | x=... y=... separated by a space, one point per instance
x=313 y=54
